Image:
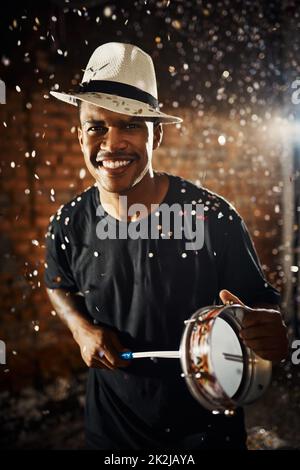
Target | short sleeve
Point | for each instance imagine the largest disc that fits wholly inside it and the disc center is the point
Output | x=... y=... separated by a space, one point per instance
x=58 y=272
x=240 y=271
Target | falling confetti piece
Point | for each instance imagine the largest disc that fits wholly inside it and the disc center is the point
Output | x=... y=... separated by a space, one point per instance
x=176 y=24
x=222 y=140
x=107 y=11
x=5 y=61
x=82 y=173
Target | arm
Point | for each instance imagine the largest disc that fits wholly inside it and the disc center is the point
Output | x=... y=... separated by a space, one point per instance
x=241 y=277
x=99 y=345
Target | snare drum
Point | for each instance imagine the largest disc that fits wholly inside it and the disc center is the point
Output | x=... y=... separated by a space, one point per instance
x=220 y=371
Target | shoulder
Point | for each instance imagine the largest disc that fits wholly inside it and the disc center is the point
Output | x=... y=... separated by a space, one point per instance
x=215 y=205
x=74 y=213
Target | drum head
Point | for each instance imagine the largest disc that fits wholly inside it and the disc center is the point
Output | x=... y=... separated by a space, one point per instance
x=226 y=356
x=220 y=371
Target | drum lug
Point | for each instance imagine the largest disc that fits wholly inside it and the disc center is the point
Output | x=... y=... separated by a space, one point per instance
x=188 y=376
x=191 y=320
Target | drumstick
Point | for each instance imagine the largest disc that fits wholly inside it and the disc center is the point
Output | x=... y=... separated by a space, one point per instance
x=128 y=355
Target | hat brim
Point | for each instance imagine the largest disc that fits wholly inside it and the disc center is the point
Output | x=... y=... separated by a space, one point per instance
x=117 y=104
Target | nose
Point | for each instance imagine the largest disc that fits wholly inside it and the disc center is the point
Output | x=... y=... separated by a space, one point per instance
x=113 y=140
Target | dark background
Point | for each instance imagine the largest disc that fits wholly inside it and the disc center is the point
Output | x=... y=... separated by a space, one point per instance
x=227 y=68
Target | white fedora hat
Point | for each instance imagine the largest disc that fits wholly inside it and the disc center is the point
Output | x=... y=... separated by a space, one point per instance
x=121 y=78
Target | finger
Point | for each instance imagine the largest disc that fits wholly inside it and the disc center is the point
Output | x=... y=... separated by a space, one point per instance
x=112 y=355
x=227 y=297
x=260 y=317
x=259 y=331
x=119 y=348
x=269 y=354
x=261 y=344
x=102 y=360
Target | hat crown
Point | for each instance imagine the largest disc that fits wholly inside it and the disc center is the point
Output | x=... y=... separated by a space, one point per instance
x=122 y=63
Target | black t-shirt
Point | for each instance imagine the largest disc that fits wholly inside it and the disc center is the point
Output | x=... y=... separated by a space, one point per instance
x=145 y=289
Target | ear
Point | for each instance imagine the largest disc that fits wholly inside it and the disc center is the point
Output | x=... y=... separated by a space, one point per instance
x=79 y=134
x=157 y=135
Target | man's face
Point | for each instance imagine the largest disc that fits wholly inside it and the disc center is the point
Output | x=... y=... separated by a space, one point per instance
x=117 y=148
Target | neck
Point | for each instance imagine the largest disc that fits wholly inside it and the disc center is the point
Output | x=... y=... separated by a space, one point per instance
x=146 y=192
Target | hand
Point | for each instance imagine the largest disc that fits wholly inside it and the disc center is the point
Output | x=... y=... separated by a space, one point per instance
x=99 y=347
x=262 y=329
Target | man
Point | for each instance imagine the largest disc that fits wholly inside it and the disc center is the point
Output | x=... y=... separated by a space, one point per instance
x=126 y=293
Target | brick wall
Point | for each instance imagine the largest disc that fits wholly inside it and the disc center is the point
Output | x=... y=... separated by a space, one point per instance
x=42 y=167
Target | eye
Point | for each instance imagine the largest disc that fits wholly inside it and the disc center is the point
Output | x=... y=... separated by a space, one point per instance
x=97 y=129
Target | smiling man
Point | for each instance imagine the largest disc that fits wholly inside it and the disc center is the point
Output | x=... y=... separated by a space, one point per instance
x=119 y=294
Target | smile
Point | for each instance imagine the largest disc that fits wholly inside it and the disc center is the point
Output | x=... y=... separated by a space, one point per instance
x=115 y=163
x=114 y=167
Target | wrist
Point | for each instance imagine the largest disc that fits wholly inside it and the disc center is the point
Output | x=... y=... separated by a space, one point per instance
x=79 y=326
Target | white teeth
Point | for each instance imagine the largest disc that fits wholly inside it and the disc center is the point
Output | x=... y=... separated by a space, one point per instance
x=115 y=164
